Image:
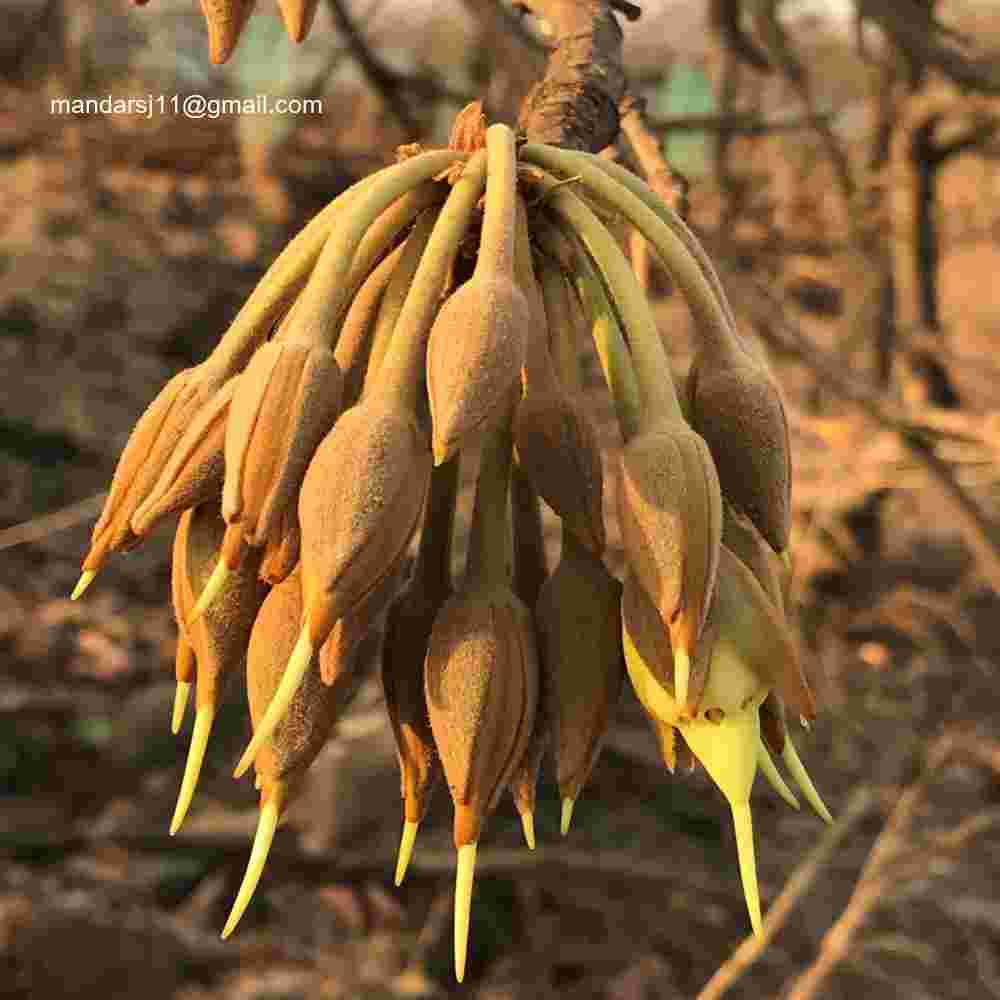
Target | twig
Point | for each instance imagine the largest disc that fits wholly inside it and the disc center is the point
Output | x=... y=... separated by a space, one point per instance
x=870 y=888
x=646 y=149
x=738 y=122
x=779 y=49
x=385 y=80
x=388 y=83
x=287 y=855
x=39 y=527
x=858 y=806
x=912 y=26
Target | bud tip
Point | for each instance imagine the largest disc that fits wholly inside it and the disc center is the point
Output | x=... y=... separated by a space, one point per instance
x=270 y=813
x=192 y=769
x=86 y=579
x=464 y=877
x=180 y=705
x=567 y=815
x=405 y=850
x=528 y=825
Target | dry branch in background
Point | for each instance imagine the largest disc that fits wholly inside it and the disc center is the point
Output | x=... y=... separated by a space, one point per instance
x=876 y=883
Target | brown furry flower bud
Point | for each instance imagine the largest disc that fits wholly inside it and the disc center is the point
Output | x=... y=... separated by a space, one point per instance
x=149 y=447
x=555 y=440
x=195 y=470
x=481 y=677
x=645 y=629
x=299 y=736
x=557 y=448
x=298 y=16
x=478 y=341
x=670 y=511
x=219 y=638
x=359 y=506
x=285 y=403
x=407 y=634
x=737 y=407
x=226 y=20
x=578 y=616
x=741 y=537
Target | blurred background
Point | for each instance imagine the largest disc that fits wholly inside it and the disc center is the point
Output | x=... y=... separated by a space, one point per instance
x=842 y=163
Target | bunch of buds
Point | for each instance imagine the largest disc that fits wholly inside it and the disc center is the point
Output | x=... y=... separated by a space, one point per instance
x=434 y=311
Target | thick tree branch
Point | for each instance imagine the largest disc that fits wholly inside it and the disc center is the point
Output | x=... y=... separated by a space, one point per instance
x=576 y=104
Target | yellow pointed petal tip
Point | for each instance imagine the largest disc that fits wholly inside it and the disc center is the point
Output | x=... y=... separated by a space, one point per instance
x=743 y=827
x=464 y=878
x=801 y=777
x=290 y=681
x=86 y=579
x=682 y=675
x=181 y=696
x=212 y=590
x=203 y=720
x=773 y=776
x=567 y=815
x=441 y=452
x=528 y=825
x=270 y=813
x=406 y=843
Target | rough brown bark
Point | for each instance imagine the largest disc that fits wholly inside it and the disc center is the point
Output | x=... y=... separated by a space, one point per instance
x=575 y=105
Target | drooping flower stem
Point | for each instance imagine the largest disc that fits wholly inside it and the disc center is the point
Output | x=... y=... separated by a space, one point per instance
x=398 y=375
x=489 y=557
x=652 y=368
x=609 y=343
x=328 y=293
x=396 y=292
x=677 y=247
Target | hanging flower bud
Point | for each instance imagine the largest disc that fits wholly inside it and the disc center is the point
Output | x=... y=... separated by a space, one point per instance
x=351 y=630
x=670 y=512
x=481 y=674
x=736 y=406
x=642 y=622
x=298 y=738
x=578 y=616
x=149 y=447
x=555 y=440
x=478 y=341
x=407 y=634
x=360 y=504
x=365 y=487
x=218 y=639
x=298 y=16
x=741 y=537
x=226 y=20
x=195 y=470
x=285 y=404
x=481 y=677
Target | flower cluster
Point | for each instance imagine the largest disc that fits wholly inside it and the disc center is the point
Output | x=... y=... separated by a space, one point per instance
x=434 y=311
